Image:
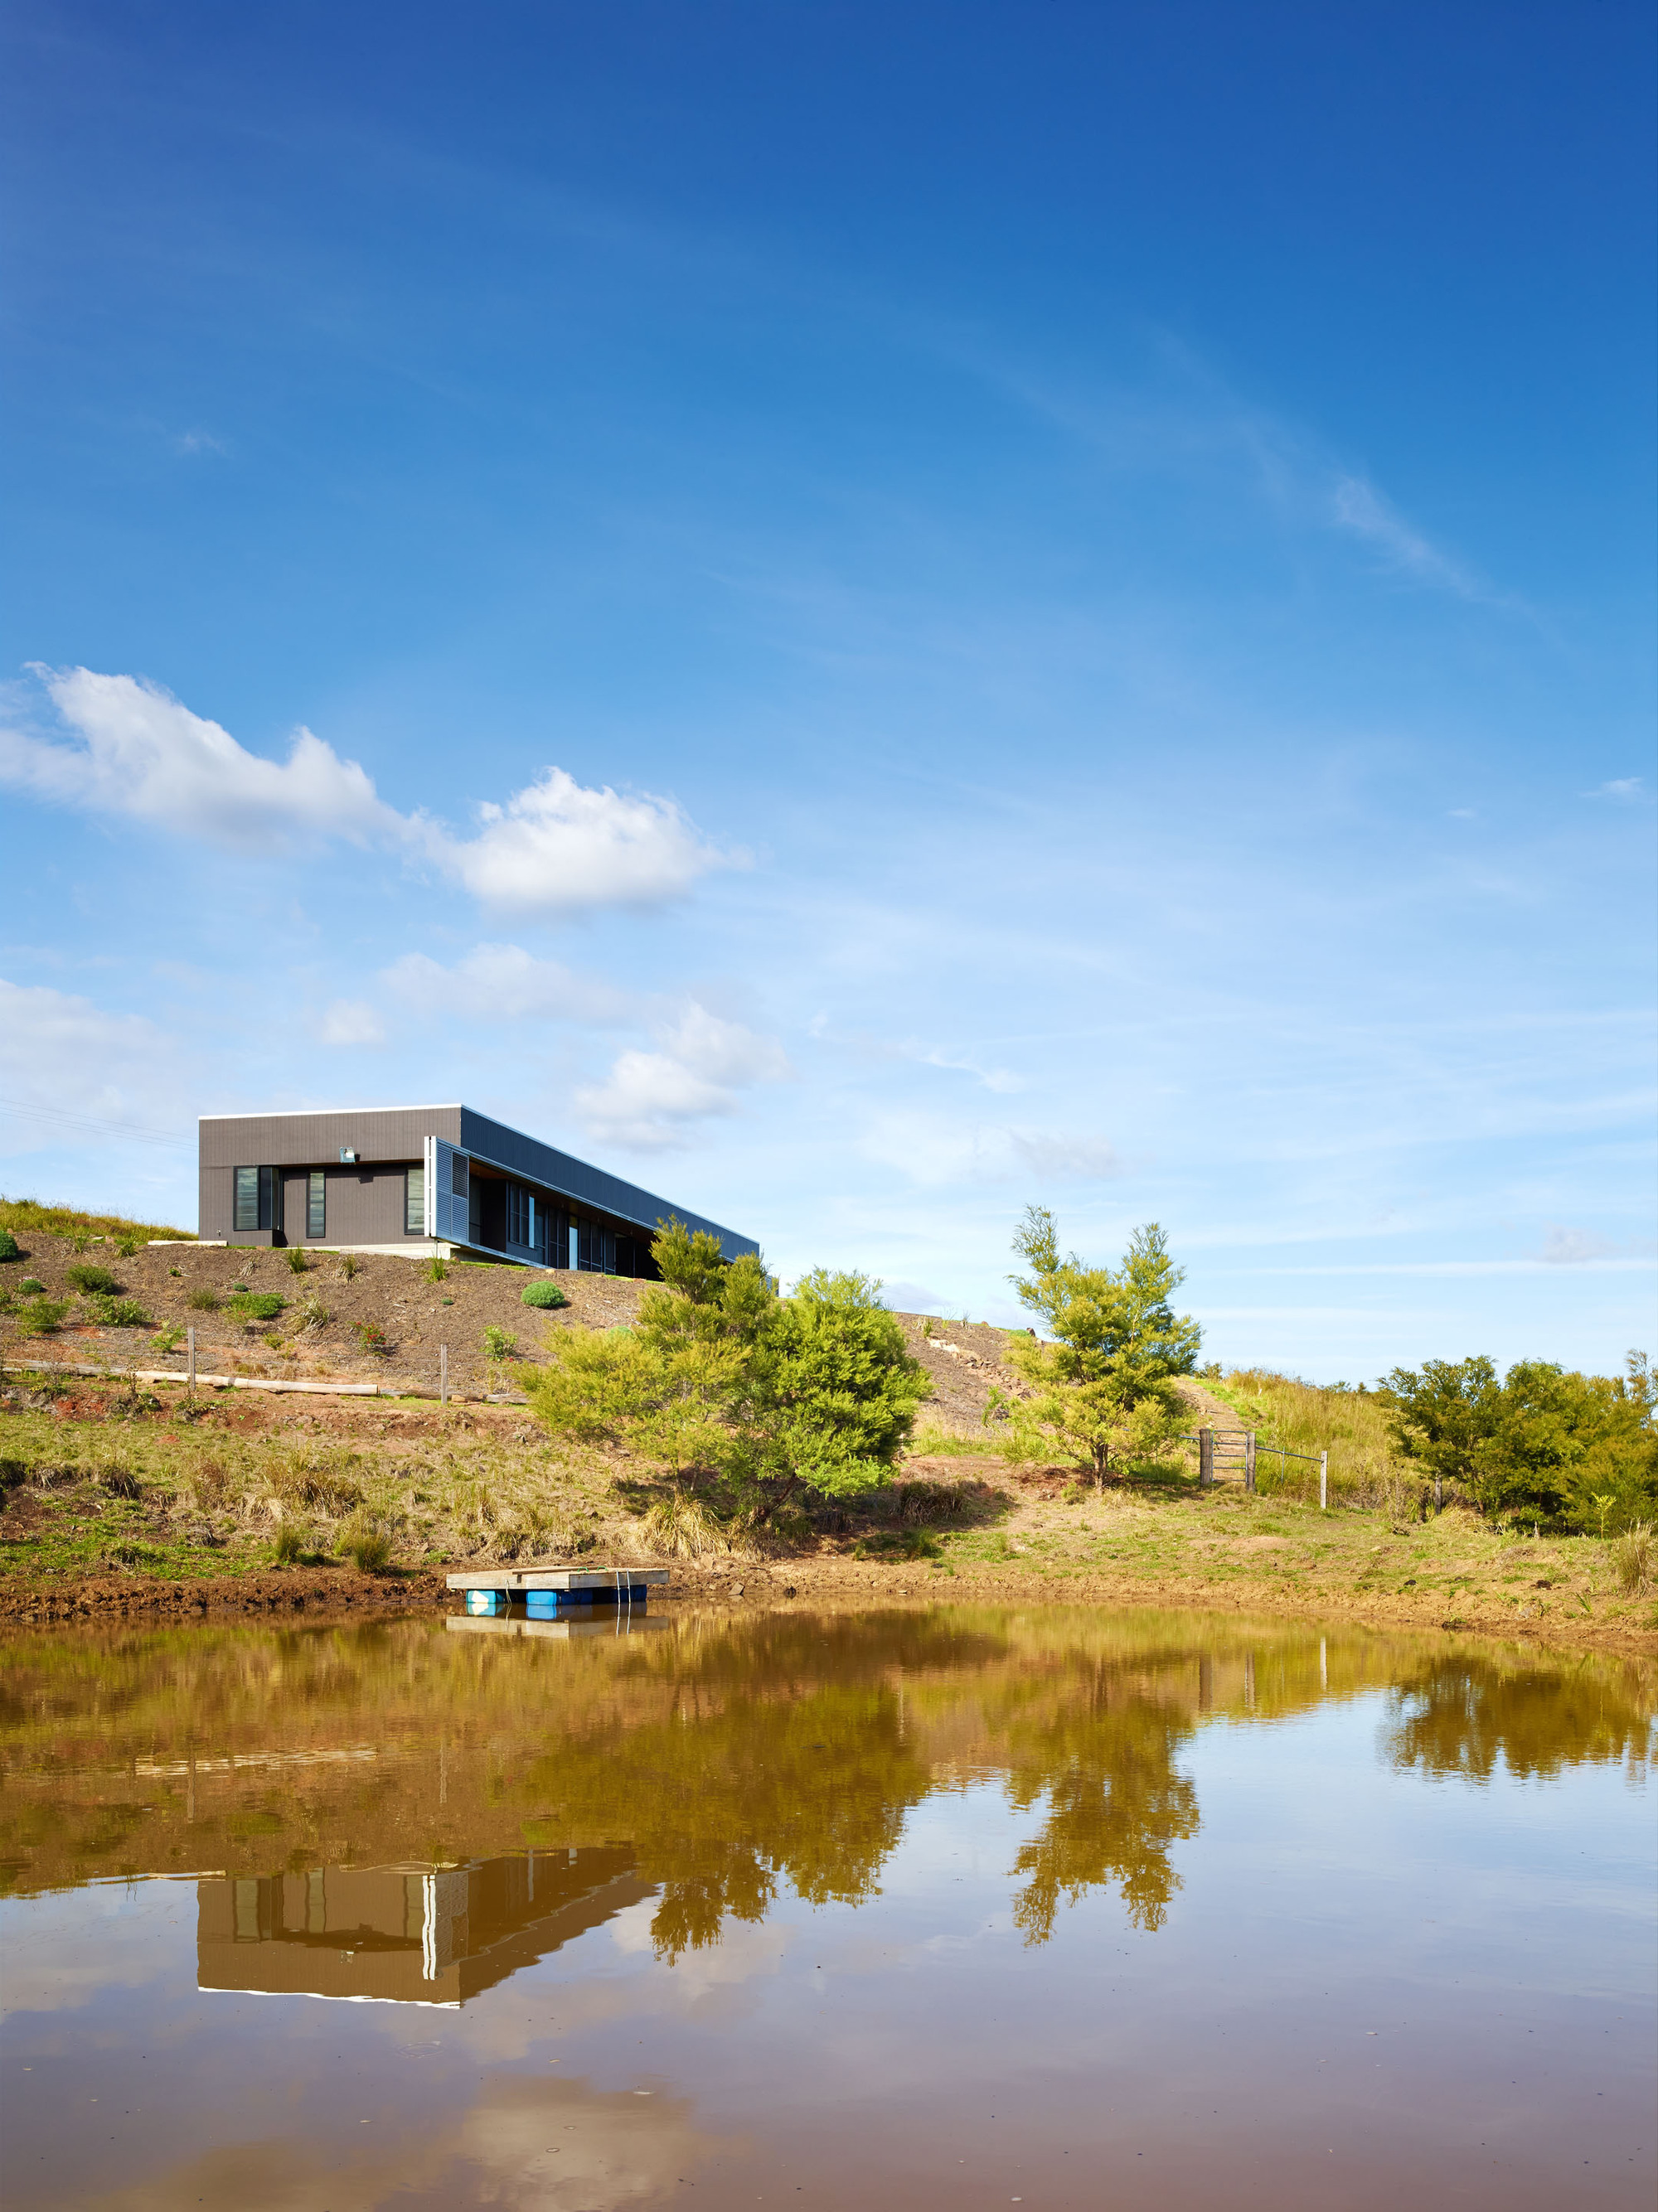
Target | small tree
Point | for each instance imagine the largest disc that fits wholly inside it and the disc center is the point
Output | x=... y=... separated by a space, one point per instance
x=719 y=1379
x=1103 y=1391
x=834 y=1392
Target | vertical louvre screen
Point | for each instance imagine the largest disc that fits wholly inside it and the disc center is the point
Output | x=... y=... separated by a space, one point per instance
x=316 y=1204
x=414 y=1202
x=451 y=1181
x=247 y=1214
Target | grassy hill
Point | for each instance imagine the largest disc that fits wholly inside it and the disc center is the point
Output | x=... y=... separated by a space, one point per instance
x=27 y=1216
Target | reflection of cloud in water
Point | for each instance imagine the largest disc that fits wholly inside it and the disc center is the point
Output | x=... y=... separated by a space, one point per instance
x=525 y=2146
x=66 y=1949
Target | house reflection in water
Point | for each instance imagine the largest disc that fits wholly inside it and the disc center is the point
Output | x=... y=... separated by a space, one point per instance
x=405 y=1935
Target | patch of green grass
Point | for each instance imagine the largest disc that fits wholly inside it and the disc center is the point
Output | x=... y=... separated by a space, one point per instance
x=89 y=1278
x=255 y=1305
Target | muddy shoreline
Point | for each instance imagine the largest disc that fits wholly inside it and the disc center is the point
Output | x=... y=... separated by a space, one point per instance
x=835 y=1582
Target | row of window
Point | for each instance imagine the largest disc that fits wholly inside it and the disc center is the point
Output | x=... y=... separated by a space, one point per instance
x=500 y=1215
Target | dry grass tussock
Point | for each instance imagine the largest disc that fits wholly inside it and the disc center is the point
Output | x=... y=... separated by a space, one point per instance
x=459 y=1496
x=27 y=1217
x=1308 y=1418
x=1632 y=1560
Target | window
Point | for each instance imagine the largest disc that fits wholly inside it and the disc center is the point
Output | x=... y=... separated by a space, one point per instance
x=257 y=1200
x=457 y=1165
x=520 y=1215
x=414 y=1201
x=246 y=1214
x=316 y=1204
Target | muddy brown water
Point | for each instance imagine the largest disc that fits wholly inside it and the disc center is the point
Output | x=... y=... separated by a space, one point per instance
x=947 y=1907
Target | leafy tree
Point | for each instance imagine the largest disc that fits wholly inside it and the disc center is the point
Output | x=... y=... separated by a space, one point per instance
x=834 y=1392
x=1103 y=1387
x=1576 y=1449
x=719 y=1378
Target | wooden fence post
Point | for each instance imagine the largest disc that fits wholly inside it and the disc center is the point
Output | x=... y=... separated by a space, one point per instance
x=190 y=1337
x=443 y=1374
x=1205 y=1458
x=1249 y=1461
x=1324 y=1482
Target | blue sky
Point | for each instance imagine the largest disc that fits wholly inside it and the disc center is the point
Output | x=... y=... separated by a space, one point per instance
x=898 y=613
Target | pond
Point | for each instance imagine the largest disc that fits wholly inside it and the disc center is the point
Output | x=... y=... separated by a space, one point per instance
x=948 y=1906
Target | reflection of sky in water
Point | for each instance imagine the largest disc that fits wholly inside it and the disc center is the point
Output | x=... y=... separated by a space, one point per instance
x=1357 y=1979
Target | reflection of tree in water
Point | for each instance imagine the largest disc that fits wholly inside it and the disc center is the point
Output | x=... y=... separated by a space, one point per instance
x=793 y=1765
x=1106 y=1765
x=1459 y=1714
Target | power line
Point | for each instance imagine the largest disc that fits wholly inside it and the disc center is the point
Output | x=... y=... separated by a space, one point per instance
x=95 y=1128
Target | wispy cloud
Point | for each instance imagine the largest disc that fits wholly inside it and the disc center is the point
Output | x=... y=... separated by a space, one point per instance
x=503 y=982
x=75 y=1075
x=1624 y=787
x=1574 y=1247
x=650 y=1100
x=128 y=747
x=200 y=441
x=1355 y=505
x=351 y=1022
x=934 y=1152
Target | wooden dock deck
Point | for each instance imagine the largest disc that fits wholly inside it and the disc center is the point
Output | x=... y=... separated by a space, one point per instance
x=515 y=1581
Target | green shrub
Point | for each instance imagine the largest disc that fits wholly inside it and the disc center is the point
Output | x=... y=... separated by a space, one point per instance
x=166 y=1339
x=256 y=1306
x=90 y=1279
x=297 y=1262
x=31 y=1286
x=350 y=1264
x=365 y=1542
x=545 y=1295
x=497 y=1344
x=42 y=1316
x=121 y=1313
x=202 y=1301
x=9 y=1247
x=373 y=1338
x=437 y=1268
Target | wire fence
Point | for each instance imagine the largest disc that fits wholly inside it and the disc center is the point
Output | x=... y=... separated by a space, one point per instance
x=1240 y=1448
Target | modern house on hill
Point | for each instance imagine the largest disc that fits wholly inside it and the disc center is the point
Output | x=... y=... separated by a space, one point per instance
x=426 y=1179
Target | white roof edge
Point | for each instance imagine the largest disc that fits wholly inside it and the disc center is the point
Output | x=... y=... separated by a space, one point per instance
x=304 y=1113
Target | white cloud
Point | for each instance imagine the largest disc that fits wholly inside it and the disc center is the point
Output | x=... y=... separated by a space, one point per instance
x=649 y=1099
x=128 y=747
x=70 y=1073
x=199 y=441
x=559 y=846
x=351 y=1021
x=502 y=982
x=1357 y=505
x=1621 y=787
x=141 y=752
x=1572 y=1248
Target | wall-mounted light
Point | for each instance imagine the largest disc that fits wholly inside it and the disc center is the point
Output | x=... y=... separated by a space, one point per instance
x=347 y=1156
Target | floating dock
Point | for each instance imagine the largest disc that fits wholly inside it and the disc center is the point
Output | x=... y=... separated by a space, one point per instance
x=555 y=1592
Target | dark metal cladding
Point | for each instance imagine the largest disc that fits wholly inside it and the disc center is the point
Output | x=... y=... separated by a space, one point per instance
x=364 y=1155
